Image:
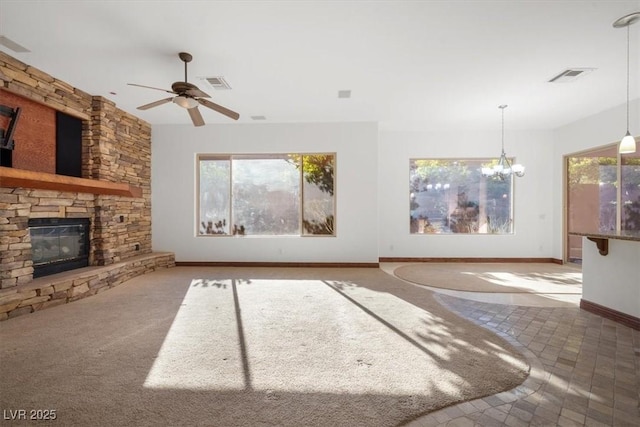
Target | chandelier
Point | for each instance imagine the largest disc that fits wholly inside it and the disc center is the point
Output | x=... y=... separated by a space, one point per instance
x=503 y=169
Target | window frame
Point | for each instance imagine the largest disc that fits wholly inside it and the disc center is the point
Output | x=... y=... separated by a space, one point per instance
x=482 y=161
x=258 y=156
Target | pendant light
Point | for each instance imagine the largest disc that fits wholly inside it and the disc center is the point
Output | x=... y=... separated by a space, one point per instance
x=628 y=143
x=503 y=169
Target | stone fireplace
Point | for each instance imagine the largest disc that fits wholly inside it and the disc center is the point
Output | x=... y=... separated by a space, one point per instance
x=112 y=195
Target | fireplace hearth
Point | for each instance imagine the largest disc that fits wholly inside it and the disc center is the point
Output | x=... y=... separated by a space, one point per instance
x=58 y=244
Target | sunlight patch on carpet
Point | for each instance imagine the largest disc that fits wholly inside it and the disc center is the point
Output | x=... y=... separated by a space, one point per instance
x=193 y=355
x=309 y=336
x=538 y=278
x=549 y=283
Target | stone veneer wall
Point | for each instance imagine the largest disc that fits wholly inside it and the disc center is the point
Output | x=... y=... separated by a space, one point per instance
x=50 y=291
x=116 y=148
x=120 y=151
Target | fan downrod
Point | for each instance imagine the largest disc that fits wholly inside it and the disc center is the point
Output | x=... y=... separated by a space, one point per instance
x=186 y=58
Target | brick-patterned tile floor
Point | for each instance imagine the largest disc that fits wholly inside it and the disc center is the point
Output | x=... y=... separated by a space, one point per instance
x=585 y=369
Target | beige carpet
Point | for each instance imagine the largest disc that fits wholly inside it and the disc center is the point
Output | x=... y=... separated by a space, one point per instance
x=251 y=347
x=541 y=278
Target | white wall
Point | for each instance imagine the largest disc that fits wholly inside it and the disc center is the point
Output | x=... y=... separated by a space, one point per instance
x=613 y=280
x=174 y=149
x=533 y=201
x=368 y=229
x=607 y=127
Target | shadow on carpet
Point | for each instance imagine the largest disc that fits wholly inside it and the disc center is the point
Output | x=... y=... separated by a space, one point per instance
x=252 y=347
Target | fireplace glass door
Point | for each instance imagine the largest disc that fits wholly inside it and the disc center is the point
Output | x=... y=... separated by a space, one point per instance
x=58 y=244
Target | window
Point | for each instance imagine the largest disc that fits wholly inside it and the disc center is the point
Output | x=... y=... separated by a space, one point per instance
x=451 y=196
x=630 y=192
x=266 y=195
x=592 y=181
x=595 y=201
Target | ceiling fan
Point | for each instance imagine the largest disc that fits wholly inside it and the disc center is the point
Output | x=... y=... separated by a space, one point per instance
x=188 y=96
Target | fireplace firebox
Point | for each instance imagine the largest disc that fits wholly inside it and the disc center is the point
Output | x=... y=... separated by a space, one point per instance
x=58 y=244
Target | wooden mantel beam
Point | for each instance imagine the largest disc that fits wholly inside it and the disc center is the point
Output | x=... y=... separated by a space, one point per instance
x=10 y=177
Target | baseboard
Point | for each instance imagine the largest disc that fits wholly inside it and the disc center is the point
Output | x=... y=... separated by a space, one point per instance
x=358 y=264
x=611 y=314
x=404 y=259
x=277 y=264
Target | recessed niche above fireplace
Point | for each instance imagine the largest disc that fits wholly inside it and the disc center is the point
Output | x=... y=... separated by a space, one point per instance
x=58 y=244
x=68 y=145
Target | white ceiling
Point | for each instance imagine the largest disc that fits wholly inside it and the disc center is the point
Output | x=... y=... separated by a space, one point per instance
x=409 y=64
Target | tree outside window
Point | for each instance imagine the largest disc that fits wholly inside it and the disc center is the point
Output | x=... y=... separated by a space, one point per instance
x=267 y=195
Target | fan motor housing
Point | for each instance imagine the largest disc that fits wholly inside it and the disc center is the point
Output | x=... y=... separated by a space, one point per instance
x=181 y=87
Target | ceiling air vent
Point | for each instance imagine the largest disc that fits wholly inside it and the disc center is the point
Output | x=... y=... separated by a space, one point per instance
x=258 y=118
x=218 y=83
x=571 y=75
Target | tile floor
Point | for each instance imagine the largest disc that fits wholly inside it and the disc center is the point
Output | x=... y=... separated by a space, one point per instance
x=585 y=370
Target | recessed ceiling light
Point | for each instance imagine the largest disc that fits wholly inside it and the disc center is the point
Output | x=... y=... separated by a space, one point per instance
x=258 y=118
x=6 y=41
x=344 y=94
x=571 y=75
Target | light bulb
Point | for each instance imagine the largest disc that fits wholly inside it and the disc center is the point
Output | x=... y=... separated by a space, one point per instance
x=628 y=144
x=518 y=169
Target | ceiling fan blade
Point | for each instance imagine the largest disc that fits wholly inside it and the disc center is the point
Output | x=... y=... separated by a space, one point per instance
x=150 y=87
x=197 y=93
x=219 y=108
x=196 y=117
x=155 y=104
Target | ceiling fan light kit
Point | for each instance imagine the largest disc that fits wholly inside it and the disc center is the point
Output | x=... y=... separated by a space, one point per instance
x=185 y=102
x=188 y=96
